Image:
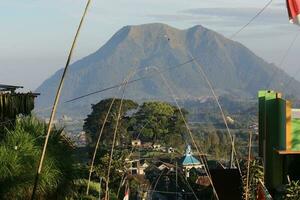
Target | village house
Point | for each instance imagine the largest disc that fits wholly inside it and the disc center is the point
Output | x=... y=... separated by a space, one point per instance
x=137 y=166
x=136 y=143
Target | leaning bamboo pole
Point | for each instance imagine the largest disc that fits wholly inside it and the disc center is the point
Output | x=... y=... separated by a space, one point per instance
x=57 y=97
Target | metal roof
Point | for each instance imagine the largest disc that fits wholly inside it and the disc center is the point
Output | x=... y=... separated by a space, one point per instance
x=4 y=87
x=190 y=160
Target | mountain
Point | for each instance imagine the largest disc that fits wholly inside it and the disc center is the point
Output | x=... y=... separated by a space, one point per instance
x=231 y=67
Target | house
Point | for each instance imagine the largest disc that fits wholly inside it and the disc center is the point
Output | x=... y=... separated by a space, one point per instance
x=137 y=166
x=147 y=145
x=156 y=146
x=136 y=143
x=167 y=166
x=13 y=104
x=203 y=180
x=82 y=139
x=171 y=150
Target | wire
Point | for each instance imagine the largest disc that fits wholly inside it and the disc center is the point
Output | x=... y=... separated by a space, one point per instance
x=188 y=128
x=287 y=84
x=220 y=108
x=131 y=153
x=97 y=144
x=129 y=82
x=285 y=55
x=114 y=136
x=252 y=19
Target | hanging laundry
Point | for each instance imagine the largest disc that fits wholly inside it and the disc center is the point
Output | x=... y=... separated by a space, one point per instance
x=293 y=7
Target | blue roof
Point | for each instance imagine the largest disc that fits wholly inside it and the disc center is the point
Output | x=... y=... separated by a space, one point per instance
x=190 y=160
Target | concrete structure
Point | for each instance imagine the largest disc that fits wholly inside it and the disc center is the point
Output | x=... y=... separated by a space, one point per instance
x=279 y=139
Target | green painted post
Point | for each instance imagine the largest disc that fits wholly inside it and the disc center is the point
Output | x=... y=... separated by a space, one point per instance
x=275 y=129
x=271 y=126
x=261 y=121
x=281 y=141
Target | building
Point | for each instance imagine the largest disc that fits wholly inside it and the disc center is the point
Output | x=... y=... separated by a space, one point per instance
x=13 y=104
x=157 y=146
x=188 y=161
x=279 y=139
x=136 y=143
x=167 y=166
x=171 y=150
x=137 y=166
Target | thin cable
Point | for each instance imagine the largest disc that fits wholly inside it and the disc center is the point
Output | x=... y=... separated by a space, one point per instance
x=285 y=55
x=189 y=186
x=286 y=85
x=187 y=127
x=220 y=108
x=57 y=99
x=116 y=86
x=132 y=81
x=114 y=139
x=130 y=154
x=252 y=19
x=101 y=131
x=97 y=144
x=182 y=64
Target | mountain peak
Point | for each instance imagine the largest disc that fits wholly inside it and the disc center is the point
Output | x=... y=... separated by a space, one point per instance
x=231 y=67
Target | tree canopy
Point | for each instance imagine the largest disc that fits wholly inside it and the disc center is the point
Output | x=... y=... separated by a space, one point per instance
x=158 y=122
x=152 y=121
x=19 y=155
x=95 y=120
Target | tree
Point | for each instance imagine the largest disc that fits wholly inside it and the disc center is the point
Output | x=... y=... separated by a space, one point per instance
x=255 y=174
x=19 y=154
x=95 y=120
x=118 y=168
x=157 y=121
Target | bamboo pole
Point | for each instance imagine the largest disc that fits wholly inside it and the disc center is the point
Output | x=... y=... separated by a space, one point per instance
x=57 y=97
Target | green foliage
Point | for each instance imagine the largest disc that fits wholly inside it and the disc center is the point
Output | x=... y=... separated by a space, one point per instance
x=159 y=121
x=95 y=120
x=19 y=155
x=292 y=191
x=255 y=174
x=214 y=142
x=153 y=121
x=243 y=112
x=117 y=168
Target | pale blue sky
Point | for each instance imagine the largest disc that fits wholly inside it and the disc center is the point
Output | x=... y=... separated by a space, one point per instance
x=36 y=35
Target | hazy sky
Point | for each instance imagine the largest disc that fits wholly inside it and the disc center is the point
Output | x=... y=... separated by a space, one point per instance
x=35 y=35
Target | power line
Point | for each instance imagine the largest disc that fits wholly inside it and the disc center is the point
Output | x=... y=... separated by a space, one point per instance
x=285 y=55
x=170 y=68
x=132 y=81
x=252 y=19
